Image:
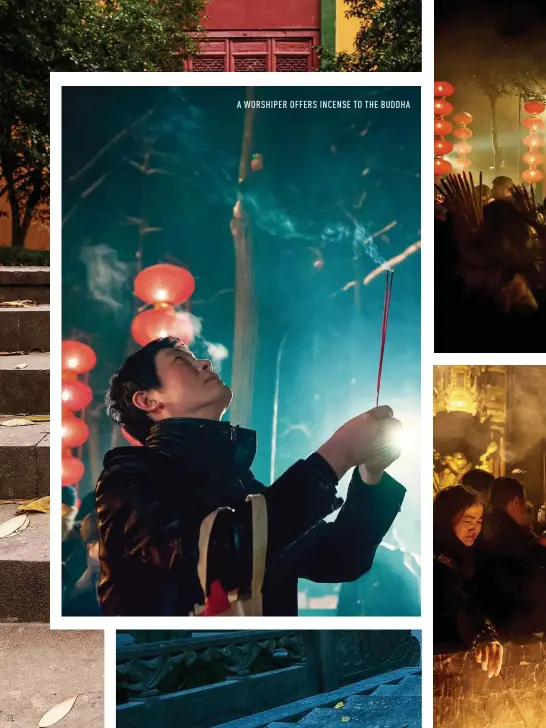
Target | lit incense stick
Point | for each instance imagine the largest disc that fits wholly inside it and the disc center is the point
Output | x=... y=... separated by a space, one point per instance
x=386 y=307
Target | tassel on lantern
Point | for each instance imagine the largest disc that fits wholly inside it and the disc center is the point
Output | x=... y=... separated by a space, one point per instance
x=442 y=128
x=77 y=358
x=462 y=147
x=533 y=141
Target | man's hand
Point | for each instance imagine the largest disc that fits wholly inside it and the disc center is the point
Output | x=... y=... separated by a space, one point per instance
x=368 y=440
x=489 y=655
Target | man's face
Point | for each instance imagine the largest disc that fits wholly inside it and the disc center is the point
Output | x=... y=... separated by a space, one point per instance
x=541 y=517
x=189 y=387
x=517 y=509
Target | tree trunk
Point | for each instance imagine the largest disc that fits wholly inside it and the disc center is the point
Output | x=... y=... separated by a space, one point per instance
x=244 y=346
x=18 y=235
x=497 y=159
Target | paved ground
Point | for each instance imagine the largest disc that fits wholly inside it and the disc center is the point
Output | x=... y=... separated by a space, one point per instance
x=40 y=668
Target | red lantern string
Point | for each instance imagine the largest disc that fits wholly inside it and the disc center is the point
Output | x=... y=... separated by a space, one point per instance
x=386 y=307
x=462 y=147
x=533 y=141
x=77 y=359
x=442 y=108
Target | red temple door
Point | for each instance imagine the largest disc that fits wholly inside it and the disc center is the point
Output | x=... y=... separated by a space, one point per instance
x=260 y=35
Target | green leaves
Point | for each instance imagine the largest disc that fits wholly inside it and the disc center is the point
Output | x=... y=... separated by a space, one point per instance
x=389 y=38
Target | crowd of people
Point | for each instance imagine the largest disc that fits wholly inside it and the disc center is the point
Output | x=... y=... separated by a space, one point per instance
x=489 y=567
x=490 y=274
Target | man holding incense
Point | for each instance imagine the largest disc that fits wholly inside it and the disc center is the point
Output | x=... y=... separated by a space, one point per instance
x=152 y=500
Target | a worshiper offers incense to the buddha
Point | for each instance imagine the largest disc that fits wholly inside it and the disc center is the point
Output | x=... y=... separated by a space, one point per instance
x=184 y=526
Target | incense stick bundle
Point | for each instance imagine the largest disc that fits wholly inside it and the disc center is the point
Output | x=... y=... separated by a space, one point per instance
x=461 y=199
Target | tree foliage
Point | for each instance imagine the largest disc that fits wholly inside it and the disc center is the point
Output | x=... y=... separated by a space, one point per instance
x=389 y=38
x=39 y=36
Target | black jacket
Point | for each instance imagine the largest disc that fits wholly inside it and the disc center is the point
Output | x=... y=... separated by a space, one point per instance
x=151 y=502
x=512 y=572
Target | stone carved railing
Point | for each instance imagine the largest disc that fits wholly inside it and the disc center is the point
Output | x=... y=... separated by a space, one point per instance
x=464 y=697
x=215 y=677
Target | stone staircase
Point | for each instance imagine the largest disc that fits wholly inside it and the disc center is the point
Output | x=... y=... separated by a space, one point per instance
x=24 y=450
x=387 y=706
x=42 y=668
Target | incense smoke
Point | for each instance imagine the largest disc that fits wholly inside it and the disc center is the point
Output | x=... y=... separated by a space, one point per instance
x=107 y=276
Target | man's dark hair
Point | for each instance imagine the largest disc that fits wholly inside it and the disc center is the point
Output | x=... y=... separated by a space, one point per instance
x=138 y=373
x=503 y=181
x=89 y=530
x=479 y=480
x=504 y=490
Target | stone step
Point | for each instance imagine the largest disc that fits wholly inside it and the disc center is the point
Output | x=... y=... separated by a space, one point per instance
x=332 y=717
x=406 y=707
x=369 y=710
x=24 y=391
x=24 y=460
x=24 y=570
x=385 y=690
x=41 y=668
x=23 y=329
x=24 y=283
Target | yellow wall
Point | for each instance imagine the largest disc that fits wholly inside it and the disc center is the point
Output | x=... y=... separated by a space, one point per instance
x=346 y=28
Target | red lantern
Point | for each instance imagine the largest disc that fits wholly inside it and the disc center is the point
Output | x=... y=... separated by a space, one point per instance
x=441 y=166
x=534 y=107
x=532 y=175
x=462 y=148
x=443 y=88
x=442 y=127
x=159 y=323
x=533 y=141
x=462 y=133
x=74 y=431
x=77 y=358
x=72 y=470
x=130 y=439
x=75 y=395
x=442 y=146
x=164 y=283
x=533 y=158
x=442 y=107
x=533 y=123
x=462 y=118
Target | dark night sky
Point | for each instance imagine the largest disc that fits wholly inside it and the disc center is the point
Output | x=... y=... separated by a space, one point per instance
x=512 y=18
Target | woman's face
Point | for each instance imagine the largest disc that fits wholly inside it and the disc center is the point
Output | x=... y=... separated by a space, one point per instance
x=468 y=524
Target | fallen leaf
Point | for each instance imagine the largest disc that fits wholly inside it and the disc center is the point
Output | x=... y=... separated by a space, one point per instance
x=15 y=423
x=57 y=713
x=12 y=500
x=11 y=353
x=38 y=418
x=524 y=662
x=17 y=304
x=340 y=704
x=13 y=525
x=345 y=719
x=540 y=635
x=38 y=505
x=24 y=365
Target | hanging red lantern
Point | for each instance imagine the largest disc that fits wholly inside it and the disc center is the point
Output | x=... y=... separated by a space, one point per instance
x=532 y=175
x=77 y=358
x=534 y=107
x=164 y=283
x=442 y=146
x=443 y=88
x=72 y=470
x=130 y=439
x=442 y=108
x=161 y=322
x=533 y=158
x=534 y=141
x=441 y=166
x=75 y=395
x=74 y=432
x=533 y=123
x=462 y=148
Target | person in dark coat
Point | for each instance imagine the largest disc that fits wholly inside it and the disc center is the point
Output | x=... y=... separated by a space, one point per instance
x=151 y=500
x=459 y=622
x=512 y=566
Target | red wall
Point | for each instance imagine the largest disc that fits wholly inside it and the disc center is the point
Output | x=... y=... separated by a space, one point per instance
x=263 y=14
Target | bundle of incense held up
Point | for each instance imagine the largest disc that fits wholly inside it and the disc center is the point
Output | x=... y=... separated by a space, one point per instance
x=461 y=198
